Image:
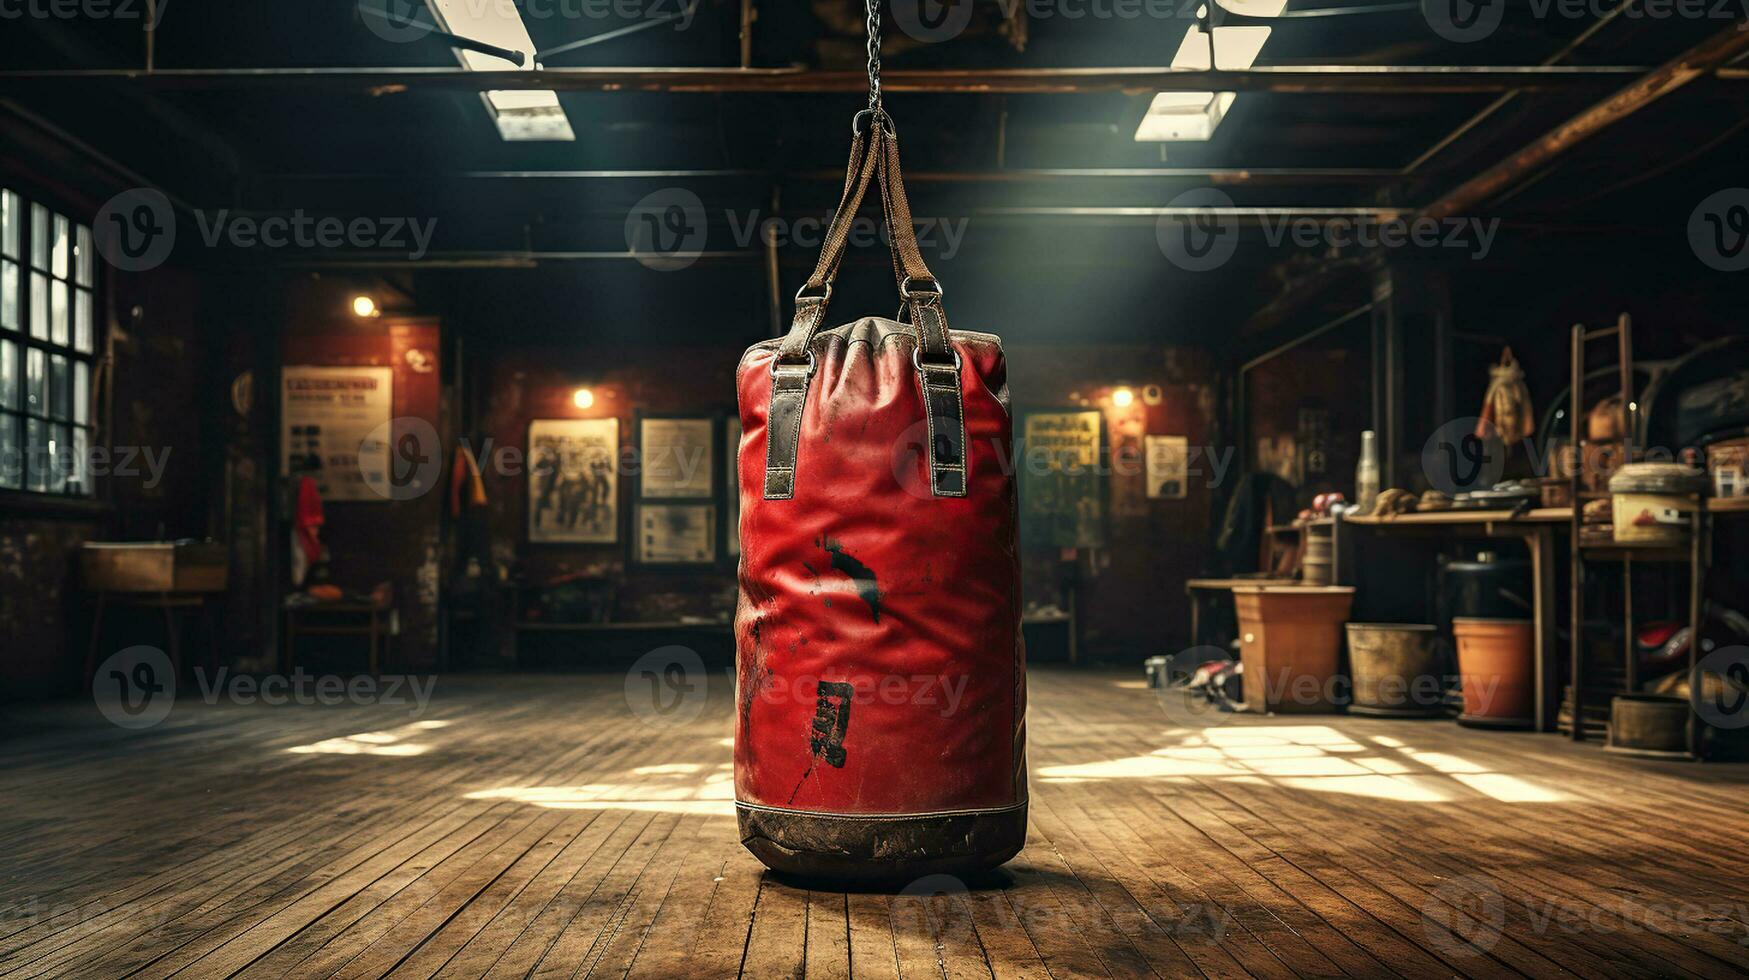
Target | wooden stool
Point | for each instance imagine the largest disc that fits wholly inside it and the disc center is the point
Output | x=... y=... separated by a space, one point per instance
x=370 y=619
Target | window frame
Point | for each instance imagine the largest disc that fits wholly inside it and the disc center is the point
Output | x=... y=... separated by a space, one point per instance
x=28 y=472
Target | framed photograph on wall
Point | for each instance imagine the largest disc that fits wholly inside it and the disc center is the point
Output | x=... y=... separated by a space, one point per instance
x=674 y=534
x=573 y=481
x=1168 y=467
x=677 y=457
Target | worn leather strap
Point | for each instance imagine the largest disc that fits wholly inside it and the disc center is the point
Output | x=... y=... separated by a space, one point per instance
x=875 y=156
x=938 y=364
x=793 y=367
x=812 y=298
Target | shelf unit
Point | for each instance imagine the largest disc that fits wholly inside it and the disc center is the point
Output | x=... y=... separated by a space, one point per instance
x=1583 y=551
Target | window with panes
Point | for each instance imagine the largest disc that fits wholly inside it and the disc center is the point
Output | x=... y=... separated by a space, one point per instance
x=47 y=343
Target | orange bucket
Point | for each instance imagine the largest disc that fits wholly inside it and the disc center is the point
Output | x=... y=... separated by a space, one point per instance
x=1495 y=660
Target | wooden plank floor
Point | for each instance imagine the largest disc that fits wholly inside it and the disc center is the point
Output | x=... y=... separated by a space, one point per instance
x=535 y=826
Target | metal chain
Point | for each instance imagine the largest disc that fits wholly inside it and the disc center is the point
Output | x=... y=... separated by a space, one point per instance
x=874 y=53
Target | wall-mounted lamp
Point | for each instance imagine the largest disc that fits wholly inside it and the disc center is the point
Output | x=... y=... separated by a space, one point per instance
x=363 y=305
x=1122 y=397
x=583 y=398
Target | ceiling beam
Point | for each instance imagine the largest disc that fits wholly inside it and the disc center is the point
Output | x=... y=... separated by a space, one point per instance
x=1370 y=79
x=1683 y=70
x=1217 y=176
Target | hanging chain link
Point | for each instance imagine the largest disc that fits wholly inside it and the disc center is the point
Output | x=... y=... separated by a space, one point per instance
x=874 y=53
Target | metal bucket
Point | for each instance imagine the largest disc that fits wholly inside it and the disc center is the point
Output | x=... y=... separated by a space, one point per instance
x=1395 y=670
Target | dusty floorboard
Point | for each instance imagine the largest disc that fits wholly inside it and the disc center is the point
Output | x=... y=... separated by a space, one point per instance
x=534 y=826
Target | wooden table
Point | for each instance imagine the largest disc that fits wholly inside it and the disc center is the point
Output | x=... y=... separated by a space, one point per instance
x=169 y=603
x=1536 y=528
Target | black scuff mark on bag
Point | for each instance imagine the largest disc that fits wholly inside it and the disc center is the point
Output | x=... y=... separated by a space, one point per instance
x=826 y=730
x=861 y=576
x=758 y=674
x=831 y=722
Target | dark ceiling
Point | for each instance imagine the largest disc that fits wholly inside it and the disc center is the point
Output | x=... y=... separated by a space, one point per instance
x=436 y=153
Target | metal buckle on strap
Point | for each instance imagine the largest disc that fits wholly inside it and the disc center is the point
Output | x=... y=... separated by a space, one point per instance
x=917 y=360
x=934 y=289
x=777 y=362
x=823 y=297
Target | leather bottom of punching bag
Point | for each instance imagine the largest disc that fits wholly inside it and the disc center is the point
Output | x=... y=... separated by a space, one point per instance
x=881 y=847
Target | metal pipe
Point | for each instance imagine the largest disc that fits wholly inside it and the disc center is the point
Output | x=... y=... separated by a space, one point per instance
x=1376 y=79
x=1539 y=153
x=453 y=40
x=745 y=35
x=685 y=13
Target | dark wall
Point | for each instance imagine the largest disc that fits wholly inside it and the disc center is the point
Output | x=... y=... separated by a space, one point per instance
x=523 y=384
x=400 y=541
x=159 y=408
x=1305 y=410
x=1132 y=592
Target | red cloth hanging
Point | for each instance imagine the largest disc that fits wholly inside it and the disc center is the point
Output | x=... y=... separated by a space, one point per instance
x=308 y=522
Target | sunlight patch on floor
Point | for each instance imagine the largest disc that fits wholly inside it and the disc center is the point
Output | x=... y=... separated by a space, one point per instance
x=389 y=742
x=1316 y=758
x=682 y=787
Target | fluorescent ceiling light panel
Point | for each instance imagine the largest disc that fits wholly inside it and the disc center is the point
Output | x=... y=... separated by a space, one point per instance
x=520 y=114
x=1194 y=116
x=1235 y=47
x=529 y=114
x=1184 y=116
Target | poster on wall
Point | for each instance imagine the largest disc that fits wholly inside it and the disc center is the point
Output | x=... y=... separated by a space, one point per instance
x=1060 y=502
x=573 y=481
x=1168 y=467
x=676 y=534
x=334 y=423
x=732 y=487
x=676 y=457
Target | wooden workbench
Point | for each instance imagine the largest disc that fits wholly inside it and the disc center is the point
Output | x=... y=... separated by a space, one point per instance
x=1536 y=528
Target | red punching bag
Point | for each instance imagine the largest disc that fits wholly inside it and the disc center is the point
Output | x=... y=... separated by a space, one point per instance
x=881 y=689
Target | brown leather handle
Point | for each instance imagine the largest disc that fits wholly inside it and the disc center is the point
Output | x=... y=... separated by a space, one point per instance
x=812 y=298
x=918 y=287
x=856 y=180
x=872 y=155
x=937 y=363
